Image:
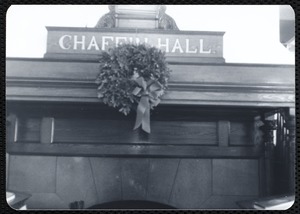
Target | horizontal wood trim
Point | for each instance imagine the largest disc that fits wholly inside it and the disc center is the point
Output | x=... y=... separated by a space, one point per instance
x=30 y=59
x=166 y=151
x=225 y=85
x=170 y=59
x=269 y=104
x=101 y=111
x=171 y=97
x=125 y=30
x=214 y=73
x=172 y=86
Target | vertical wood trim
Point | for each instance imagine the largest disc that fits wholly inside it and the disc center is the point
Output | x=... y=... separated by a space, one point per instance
x=223 y=133
x=121 y=176
x=16 y=129
x=148 y=174
x=47 y=130
x=291 y=134
x=13 y=127
x=7 y=165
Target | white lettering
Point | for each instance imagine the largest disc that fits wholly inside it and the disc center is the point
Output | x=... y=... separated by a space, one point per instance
x=104 y=42
x=118 y=40
x=166 y=45
x=77 y=42
x=177 y=46
x=201 y=49
x=187 y=47
x=137 y=41
x=93 y=43
x=62 y=42
x=145 y=40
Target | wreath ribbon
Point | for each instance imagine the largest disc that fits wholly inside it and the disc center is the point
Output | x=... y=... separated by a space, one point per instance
x=149 y=92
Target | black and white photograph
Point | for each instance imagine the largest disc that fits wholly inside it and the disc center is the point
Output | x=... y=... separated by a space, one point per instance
x=157 y=107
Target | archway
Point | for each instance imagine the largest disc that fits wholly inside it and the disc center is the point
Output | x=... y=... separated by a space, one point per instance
x=131 y=204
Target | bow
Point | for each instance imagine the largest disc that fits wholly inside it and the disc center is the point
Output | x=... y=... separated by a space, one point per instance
x=149 y=92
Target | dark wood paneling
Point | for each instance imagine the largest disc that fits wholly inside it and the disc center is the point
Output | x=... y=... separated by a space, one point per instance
x=172 y=151
x=29 y=129
x=235 y=177
x=161 y=176
x=193 y=183
x=32 y=173
x=101 y=111
x=108 y=180
x=241 y=133
x=223 y=133
x=202 y=132
x=115 y=131
x=94 y=131
x=47 y=130
x=74 y=174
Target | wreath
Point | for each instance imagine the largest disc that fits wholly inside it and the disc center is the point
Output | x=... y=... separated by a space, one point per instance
x=133 y=77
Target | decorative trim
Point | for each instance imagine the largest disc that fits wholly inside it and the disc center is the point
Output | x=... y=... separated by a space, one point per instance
x=138 y=30
x=165 y=21
x=108 y=20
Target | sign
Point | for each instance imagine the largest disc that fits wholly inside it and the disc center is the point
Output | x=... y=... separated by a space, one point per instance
x=174 y=43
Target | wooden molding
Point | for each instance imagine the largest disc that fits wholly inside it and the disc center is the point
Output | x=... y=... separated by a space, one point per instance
x=137 y=150
x=190 y=84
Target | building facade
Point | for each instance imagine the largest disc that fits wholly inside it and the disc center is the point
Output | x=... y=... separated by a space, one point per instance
x=223 y=132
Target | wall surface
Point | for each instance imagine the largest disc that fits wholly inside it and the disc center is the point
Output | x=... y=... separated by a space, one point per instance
x=55 y=182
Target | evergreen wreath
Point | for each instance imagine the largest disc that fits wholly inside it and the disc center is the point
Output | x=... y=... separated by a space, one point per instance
x=133 y=77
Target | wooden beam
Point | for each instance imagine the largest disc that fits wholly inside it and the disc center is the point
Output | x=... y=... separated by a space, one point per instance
x=47 y=130
x=223 y=133
x=138 y=150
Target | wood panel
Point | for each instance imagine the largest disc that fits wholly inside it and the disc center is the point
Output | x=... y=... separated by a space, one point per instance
x=235 y=177
x=32 y=173
x=94 y=131
x=193 y=183
x=107 y=177
x=161 y=175
x=29 y=129
x=223 y=133
x=241 y=133
x=116 y=131
x=201 y=133
x=75 y=175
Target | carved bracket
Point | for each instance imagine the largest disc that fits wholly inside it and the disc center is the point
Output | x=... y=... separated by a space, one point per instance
x=268 y=128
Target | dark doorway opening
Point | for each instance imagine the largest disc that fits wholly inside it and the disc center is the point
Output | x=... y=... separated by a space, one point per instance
x=131 y=204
